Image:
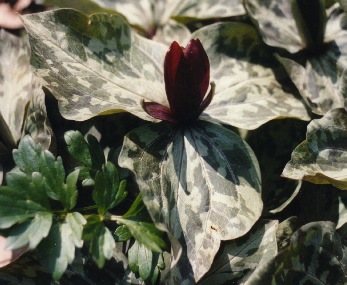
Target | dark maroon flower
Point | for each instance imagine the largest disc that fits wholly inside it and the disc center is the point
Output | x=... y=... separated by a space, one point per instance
x=187 y=76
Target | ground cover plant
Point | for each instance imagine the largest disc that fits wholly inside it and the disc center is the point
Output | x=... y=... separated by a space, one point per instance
x=174 y=142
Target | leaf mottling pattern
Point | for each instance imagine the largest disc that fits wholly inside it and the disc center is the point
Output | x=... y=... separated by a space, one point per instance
x=322 y=157
x=93 y=64
x=203 y=182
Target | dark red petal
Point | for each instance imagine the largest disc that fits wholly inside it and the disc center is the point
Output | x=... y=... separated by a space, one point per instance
x=158 y=111
x=199 y=66
x=172 y=60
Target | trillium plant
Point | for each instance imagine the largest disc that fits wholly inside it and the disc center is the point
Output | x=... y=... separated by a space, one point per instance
x=174 y=142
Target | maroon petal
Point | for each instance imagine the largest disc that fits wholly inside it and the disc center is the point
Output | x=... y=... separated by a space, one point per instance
x=158 y=111
x=172 y=60
x=199 y=65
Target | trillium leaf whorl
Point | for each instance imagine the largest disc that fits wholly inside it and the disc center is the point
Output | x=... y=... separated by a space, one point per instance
x=187 y=76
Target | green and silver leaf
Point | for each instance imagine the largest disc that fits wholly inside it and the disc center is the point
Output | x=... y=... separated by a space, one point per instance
x=322 y=157
x=316 y=255
x=202 y=181
x=155 y=17
x=15 y=86
x=94 y=65
x=103 y=73
x=238 y=259
x=251 y=88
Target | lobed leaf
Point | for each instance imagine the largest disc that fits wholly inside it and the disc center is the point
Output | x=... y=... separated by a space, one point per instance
x=238 y=259
x=30 y=232
x=78 y=147
x=145 y=262
x=109 y=191
x=94 y=65
x=316 y=255
x=58 y=249
x=202 y=182
x=321 y=158
x=100 y=240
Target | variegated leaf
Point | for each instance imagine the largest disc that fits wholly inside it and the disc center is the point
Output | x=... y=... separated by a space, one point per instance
x=322 y=157
x=316 y=74
x=319 y=80
x=316 y=255
x=201 y=181
x=94 y=65
x=154 y=16
x=248 y=93
x=15 y=86
x=276 y=23
x=36 y=122
x=237 y=259
x=91 y=71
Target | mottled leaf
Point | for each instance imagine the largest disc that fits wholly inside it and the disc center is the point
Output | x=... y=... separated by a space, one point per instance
x=94 y=65
x=285 y=231
x=276 y=23
x=36 y=123
x=58 y=249
x=322 y=157
x=85 y=6
x=15 y=85
x=88 y=82
x=319 y=80
x=100 y=240
x=316 y=255
x=154 y=17
x=237 y=259
x=248 y=93
x=201 y=181
x=145 y=262
x=316 y=71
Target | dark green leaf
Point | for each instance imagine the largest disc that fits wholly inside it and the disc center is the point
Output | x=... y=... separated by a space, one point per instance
x=145 y=262
x=136 y=208
x=58 y=249
x=108 y=191
x=27 y=156
x=78 y=147
x=100 y=240
x=30 y=232
x=122 y=233
x=96 y=152
x=69 y=197
x=145 y=233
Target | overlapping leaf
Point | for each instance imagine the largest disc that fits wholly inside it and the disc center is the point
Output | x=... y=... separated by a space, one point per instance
x=237 y=259
x=202 y=182
x=26 y=208
x=101 y=74
x=316 y=255
x=316 y=73
x=322 y=157
x=155 y=16
x=248 y=93
x=94 y=65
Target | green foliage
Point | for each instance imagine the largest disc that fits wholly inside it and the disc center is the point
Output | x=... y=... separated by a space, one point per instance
x=145 y=262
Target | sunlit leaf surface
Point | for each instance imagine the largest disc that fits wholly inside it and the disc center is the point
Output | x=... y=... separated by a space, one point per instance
x=322 y=157
x=201 y=181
